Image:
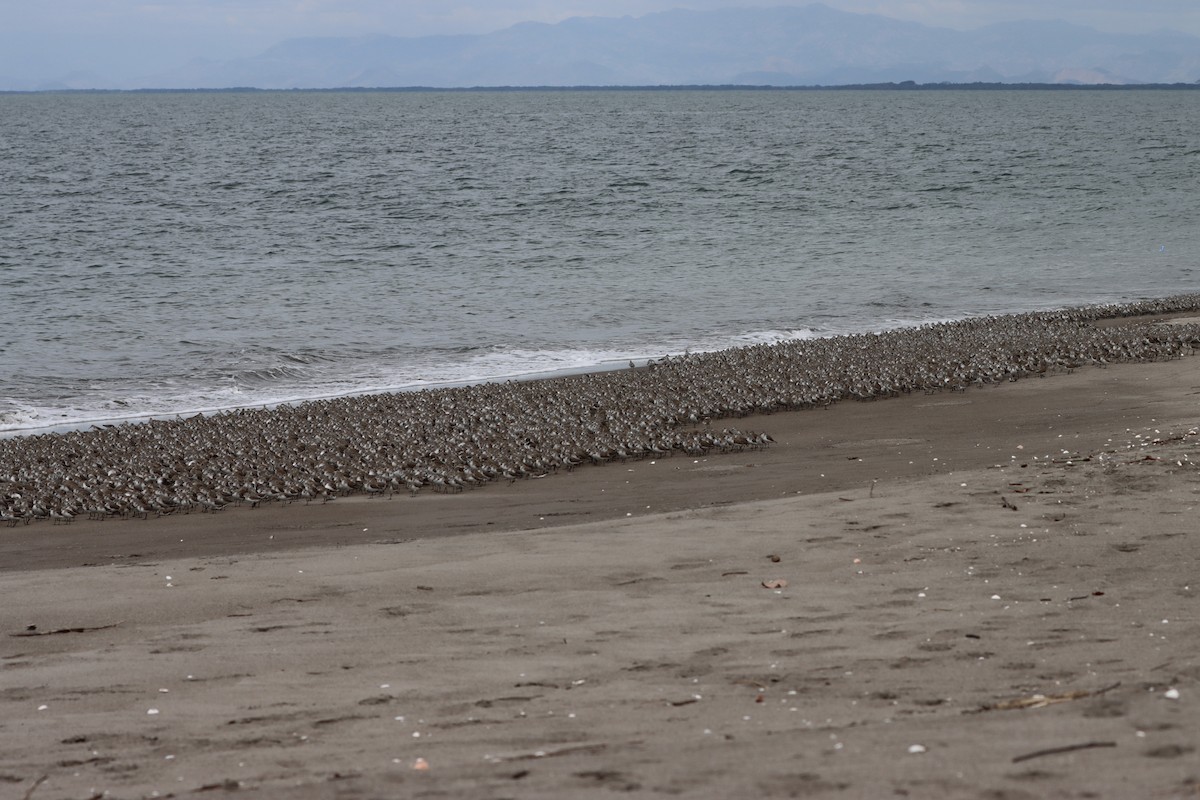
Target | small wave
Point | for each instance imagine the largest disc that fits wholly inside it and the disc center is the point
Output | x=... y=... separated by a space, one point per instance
x=104 y=402
x=258 y=384
x=20 y=418
x=281 y=385
x=776 y=336
x=266 y=376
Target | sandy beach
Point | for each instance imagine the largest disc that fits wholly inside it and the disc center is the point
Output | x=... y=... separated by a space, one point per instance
x=978 y=594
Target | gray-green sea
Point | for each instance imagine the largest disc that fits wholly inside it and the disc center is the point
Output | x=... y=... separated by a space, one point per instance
x=169 y=253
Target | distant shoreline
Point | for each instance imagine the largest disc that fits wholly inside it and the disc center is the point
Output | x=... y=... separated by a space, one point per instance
x=904 y=86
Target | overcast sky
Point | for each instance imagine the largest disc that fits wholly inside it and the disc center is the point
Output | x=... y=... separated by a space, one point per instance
x=41 y=39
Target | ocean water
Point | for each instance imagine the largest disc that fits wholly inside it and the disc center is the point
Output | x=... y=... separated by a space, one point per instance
x=174 y=253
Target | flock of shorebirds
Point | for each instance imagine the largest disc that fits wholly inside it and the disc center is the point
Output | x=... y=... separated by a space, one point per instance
x=453 y=439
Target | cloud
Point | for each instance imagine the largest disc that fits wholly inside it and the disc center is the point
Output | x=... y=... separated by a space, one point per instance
x=280 y=18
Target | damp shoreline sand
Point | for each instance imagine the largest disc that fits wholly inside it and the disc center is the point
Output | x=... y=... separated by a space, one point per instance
x=988 y=593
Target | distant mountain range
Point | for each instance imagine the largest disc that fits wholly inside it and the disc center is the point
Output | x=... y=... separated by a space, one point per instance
x=788 y=46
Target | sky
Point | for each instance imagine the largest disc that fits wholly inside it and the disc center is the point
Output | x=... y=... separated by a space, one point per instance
x=124 y=39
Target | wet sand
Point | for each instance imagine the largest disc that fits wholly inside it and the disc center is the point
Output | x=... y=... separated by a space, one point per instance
x=979 y=594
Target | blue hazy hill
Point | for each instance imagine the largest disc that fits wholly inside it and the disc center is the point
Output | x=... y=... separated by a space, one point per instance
x=799 y=45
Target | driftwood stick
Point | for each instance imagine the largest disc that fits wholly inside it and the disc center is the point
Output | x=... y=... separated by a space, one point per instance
x=68 y=630
x=1043 y=700
x=33 y=788
x=562 y=751
x=1070 y=748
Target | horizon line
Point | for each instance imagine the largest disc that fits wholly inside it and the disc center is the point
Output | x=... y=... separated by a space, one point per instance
x=882 y=85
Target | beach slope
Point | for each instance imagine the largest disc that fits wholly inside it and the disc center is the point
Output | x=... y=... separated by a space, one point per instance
x=979 y=594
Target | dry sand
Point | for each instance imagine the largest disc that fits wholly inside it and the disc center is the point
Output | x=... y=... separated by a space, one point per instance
x=988 y=594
